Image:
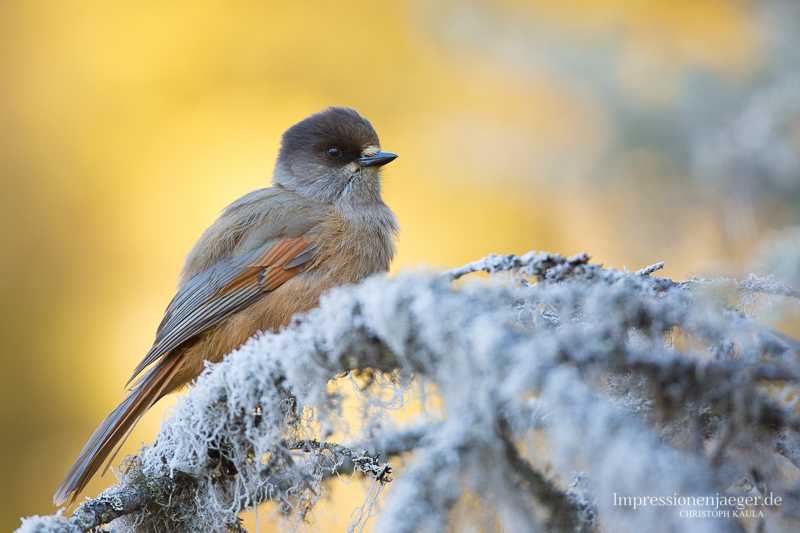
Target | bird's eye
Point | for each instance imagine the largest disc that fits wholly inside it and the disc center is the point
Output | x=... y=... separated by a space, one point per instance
x=334 y=152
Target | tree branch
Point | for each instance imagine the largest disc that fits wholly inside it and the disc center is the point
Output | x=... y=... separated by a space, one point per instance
x=256 y=426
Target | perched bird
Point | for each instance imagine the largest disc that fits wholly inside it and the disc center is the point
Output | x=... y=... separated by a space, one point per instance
x=268 y=256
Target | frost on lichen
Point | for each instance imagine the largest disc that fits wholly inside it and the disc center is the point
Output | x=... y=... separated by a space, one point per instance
x=560 y=386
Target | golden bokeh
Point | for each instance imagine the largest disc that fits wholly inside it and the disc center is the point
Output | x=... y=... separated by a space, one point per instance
x=127 y=127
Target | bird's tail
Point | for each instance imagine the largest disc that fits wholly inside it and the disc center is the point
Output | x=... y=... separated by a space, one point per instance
x=116 y=427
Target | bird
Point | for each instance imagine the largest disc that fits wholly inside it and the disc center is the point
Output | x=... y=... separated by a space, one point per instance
x=269 y=256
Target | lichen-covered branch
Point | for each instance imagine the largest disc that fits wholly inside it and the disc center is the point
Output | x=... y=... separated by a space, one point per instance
x=121 y=501
x=646 y=386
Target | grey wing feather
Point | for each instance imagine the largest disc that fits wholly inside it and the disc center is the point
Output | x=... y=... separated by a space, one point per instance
x=303 y=257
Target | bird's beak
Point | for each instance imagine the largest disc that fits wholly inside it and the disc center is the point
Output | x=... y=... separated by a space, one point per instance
x=377 y=160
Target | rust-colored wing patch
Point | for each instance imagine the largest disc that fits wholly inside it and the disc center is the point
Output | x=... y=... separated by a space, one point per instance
x=274 y=277
x=282 y=252
x=273 y=259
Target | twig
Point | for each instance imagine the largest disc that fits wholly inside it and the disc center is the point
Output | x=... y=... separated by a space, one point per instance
x=564 y=516
x=107 y=507
x=646 y=271
x=363 y=462
x=535 y=263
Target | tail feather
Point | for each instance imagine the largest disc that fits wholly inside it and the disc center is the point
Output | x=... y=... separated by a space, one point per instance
x=115 y=428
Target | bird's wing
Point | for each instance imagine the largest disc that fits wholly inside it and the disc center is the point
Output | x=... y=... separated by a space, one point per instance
x=229 y=285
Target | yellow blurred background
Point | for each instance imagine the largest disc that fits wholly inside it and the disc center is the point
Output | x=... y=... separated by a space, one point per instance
x=125 y=127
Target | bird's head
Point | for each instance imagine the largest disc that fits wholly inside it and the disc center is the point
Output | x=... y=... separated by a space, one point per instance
x=332 y=156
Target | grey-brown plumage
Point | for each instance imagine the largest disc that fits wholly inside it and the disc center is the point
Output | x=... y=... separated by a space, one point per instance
x=268 y=256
